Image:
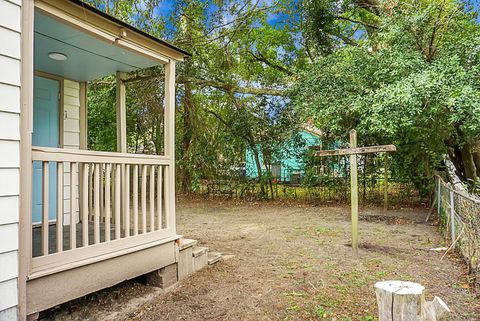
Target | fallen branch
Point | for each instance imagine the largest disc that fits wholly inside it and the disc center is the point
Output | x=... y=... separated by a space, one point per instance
x=431 y=210
x=453 y=244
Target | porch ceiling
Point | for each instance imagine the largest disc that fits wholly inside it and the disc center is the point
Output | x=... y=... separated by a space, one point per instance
x=88 y=58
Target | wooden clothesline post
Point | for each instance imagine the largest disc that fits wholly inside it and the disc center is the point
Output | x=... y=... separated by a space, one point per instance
x=353 y=151
x=354 y=192
x=385 y=187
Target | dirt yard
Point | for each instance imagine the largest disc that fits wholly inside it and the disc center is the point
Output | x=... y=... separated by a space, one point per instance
x=292 y=262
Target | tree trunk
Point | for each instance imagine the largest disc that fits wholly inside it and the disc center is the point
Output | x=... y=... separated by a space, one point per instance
x=186 y=180
x=399 y=300
x=452 y=173
x=254 y=149
x=405 y=301
x=267 y=161
x=159 y=135
x=185 y=169
x=271 y=187
x=257 y=163
x=137 y=137
x=456 y=159
x=436 y=310
x=476 y=154
x=469 y=165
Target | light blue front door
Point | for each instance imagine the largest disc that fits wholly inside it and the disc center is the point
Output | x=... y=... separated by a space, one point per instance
x=46 y=134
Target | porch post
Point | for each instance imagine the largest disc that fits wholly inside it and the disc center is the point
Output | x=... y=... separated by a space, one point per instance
x=26 y=129
x=121 y=115
x=83 y=116
x=169 y=143
x=121 y=143
x=83 y=210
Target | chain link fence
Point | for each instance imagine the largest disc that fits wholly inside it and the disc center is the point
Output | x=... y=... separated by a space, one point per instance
x=327 y=190
x=459 y=215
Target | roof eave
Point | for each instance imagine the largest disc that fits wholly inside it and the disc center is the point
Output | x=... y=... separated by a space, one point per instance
x=77 y=9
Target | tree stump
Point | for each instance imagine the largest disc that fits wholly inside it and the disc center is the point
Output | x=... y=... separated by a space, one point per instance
x=399 y=301
x=405 y=301
x=436 y=310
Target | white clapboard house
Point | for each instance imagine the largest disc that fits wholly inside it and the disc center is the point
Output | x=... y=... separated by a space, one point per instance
x=74 y=221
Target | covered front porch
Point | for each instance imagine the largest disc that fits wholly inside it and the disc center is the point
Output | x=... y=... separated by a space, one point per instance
x=91 y=219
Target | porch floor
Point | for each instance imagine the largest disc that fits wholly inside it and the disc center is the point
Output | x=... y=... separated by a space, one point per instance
x=52 y=237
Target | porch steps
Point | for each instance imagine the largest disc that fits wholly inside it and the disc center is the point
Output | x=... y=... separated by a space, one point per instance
x=186 y=243
x=193 y=258
x=214 y=257
x=200 y=258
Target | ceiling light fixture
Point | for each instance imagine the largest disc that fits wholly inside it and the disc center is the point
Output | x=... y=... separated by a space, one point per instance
x=57 y=56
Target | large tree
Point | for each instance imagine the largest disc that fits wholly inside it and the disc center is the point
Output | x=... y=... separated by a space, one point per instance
x=240 y=60
x=403 y=72
x=408 y=76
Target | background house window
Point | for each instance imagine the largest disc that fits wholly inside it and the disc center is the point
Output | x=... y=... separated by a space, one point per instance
x=276 y=170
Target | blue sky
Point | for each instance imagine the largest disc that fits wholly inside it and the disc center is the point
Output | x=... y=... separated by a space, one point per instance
x=166 y=8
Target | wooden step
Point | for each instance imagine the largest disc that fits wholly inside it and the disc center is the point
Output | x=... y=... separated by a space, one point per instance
x=214 y=257
x=199 y=250
x=199 y=257
x=185 y=258
x=186 y=243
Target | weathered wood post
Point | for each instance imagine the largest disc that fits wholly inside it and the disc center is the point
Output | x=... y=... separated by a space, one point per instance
x=399 y=300
x=385 y=189
x=405 y=301
x=354 y=192
x=435 y=310
x=452 y=216
x=439 y=196
x=353 y=151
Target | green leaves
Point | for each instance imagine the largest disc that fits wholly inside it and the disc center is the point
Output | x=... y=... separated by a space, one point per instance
x=414 y=83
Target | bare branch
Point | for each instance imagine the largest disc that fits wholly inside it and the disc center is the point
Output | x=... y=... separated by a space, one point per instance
x=346 y=39
x=230 y=88
x=262 y=58
x=371 y=6
x=366 y=24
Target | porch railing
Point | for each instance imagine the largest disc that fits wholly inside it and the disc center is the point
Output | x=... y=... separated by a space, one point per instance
x=107 y=204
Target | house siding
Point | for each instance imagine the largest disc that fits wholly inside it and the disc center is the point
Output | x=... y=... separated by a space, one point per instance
x=10 y=65
x=71 y=138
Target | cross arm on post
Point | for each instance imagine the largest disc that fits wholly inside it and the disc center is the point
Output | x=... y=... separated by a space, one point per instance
x=354 y=150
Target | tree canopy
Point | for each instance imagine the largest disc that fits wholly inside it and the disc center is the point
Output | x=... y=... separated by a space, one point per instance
x=402 y=72
x=410 y=78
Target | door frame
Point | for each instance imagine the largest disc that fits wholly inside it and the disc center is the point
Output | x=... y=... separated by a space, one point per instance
x=61 y=107
x=61 y=112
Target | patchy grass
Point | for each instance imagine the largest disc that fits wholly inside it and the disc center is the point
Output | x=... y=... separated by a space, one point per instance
x=294 y=262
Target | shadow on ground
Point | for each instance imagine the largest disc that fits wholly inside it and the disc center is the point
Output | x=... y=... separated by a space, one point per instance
x=291 y=263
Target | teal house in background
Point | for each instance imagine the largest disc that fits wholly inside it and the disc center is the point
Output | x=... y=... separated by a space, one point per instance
x=289 y=165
